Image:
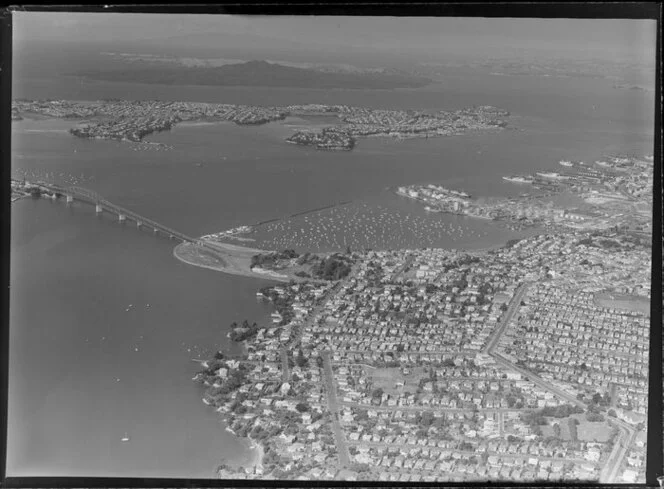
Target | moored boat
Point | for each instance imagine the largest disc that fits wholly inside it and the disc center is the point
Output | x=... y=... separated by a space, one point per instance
x=518 y=179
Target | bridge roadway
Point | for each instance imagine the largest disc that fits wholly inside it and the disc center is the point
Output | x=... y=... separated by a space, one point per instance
x=86 y=195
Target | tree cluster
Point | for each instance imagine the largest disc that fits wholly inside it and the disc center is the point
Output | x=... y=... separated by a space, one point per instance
x=333 y=267
x=573 y=431
x=244 y=332
x=270 y=260
x=300 y=360
x=561 y=411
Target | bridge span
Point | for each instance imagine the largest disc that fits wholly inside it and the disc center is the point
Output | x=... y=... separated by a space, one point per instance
x=224 y=257
x=101 y=205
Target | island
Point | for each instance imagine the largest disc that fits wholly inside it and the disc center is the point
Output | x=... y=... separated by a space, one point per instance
x=257 y=73
x=134 y=120
x=327 y=138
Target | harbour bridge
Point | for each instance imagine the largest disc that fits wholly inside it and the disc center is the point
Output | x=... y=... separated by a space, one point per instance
x=101 y=205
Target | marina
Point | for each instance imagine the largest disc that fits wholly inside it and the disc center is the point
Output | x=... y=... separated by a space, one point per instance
x=368 y=225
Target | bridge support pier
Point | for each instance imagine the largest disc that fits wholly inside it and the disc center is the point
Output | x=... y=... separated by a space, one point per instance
x=101 y=205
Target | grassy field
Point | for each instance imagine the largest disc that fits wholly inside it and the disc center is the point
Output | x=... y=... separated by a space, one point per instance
x=586 y=430
x=593 y=431
x=200 y=256
x=624 y=302
x=233 y=260
x=390 y=379
x=564 y=428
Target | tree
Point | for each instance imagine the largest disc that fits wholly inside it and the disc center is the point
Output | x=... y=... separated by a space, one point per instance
x=302 y=407
x=594 y=417
x=606 y=399
x=427 y=419
x=556 y=430
x=612 y=413
x=448 y=362
x=300 y=359
x=378 y=392
x=511 y=401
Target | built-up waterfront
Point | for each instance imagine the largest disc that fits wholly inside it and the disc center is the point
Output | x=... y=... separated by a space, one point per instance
x=614 y=193
x=433 y=365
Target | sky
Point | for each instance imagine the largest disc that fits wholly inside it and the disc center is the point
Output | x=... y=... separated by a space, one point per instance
x=601 y=38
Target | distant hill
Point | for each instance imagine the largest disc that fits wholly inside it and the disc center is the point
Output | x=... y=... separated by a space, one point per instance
x=256 y=74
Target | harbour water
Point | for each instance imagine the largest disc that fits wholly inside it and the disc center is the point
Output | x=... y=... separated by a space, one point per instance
x=90 y=360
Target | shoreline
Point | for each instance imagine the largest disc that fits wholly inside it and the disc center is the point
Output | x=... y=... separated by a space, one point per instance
x=234 y=265
x=258 y=454
x=236 y=259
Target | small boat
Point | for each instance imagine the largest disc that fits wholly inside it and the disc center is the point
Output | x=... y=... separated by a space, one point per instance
x=125 y=437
